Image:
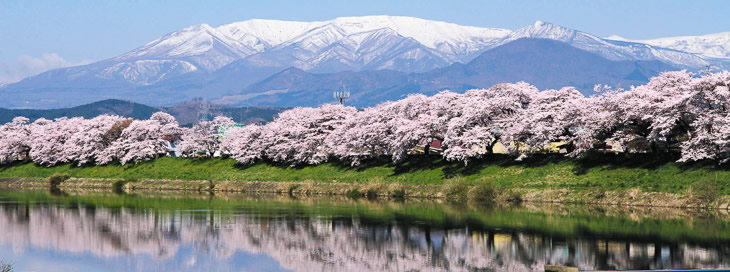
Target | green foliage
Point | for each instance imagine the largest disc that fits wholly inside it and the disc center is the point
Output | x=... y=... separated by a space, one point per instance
x=704 y=192
x=56 y=179
x=609 y=173
x=455 y=188
x=484 y=191
x=399 y=193
x=118 y=186
x=372 y=194
x=513 y=196
x=354 y=194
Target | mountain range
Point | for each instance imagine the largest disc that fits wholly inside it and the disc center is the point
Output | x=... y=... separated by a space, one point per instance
x=284 y=63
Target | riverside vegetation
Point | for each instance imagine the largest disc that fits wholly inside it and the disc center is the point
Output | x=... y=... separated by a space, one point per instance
x=672 y=134
x=499 y=177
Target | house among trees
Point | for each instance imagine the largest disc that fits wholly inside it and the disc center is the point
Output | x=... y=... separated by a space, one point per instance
x=434 y=147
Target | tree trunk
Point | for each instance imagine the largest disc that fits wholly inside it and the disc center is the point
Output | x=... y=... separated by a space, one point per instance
x=490 y=147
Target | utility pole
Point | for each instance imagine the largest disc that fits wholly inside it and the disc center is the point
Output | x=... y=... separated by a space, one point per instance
x=342 y=96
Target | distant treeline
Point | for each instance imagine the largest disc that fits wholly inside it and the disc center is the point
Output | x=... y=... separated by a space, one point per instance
x=185 y=113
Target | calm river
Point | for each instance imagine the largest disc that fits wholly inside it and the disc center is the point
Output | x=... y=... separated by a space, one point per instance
x=104 y=231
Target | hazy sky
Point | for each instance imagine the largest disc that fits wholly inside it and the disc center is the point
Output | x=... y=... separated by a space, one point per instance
x=42 y=34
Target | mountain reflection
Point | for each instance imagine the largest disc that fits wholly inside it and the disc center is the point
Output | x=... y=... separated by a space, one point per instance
x=312 y=242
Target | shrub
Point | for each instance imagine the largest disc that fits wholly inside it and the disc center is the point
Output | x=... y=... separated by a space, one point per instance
x=598 y=193
x=455 y=188
x=354 y=193
x=513 y=196
x=704 y=192
x=118 y=186
x=56 y=179
x=484 y=191
x=397 y=190
x=374 y=188
x=287 y=188
x=399 y=193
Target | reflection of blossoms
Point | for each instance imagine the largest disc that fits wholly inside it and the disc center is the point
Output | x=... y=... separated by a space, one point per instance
x=321 y=244
x=97 y=231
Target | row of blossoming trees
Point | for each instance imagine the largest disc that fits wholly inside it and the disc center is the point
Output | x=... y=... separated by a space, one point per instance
x=674 y=112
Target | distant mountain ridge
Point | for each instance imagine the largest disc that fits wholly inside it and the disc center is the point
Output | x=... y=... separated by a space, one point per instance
x=213 y=62
x=542 y=62
x=716 y=45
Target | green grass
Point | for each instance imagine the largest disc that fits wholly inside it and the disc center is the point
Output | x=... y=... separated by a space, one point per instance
x=599 y=172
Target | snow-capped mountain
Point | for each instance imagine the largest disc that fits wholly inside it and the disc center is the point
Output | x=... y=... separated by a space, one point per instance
x=348 y=43
x=360 y=43
x=609 y=49
x=201 y=45
x=544 y=63
x=352 y=41
x=712 y=45
x=206 y=61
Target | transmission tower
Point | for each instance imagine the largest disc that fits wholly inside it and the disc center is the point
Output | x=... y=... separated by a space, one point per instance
x=204 y=111
x=342 y=96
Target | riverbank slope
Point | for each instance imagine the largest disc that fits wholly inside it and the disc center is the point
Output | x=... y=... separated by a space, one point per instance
x=609 y=179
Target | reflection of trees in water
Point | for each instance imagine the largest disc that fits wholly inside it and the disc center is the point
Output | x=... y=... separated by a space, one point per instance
x=330 y=244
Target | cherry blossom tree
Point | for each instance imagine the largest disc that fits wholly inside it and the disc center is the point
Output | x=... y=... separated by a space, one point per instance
x=88 y=144
x=50 y=140
x=145 y=139
x=706 y=110
x=486 y=117
x=203 y=137
x=367 y=134
x=244 y=144
x=421 y=119
x=298 y=135
x=674 y=112
x=14 y=140
x=394 y=128
x=551 y=116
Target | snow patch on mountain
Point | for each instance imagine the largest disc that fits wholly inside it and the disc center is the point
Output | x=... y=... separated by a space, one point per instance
x=715 y=45
x=146 y=72
x=263 y=34
x=610 y=49
x=448 y=37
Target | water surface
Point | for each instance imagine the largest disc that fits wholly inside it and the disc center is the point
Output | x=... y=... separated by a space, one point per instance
x=104 y=231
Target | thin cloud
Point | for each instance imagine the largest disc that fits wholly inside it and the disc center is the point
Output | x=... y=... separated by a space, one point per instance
x=26 y=66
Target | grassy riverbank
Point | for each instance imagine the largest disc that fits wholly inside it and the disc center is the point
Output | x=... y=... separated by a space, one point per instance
x=602 y=172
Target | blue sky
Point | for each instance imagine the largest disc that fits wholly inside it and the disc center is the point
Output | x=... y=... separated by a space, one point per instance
x=42 y=34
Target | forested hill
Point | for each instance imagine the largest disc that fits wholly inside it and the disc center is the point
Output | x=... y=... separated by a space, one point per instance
x=109 y=106
x=185 y=113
